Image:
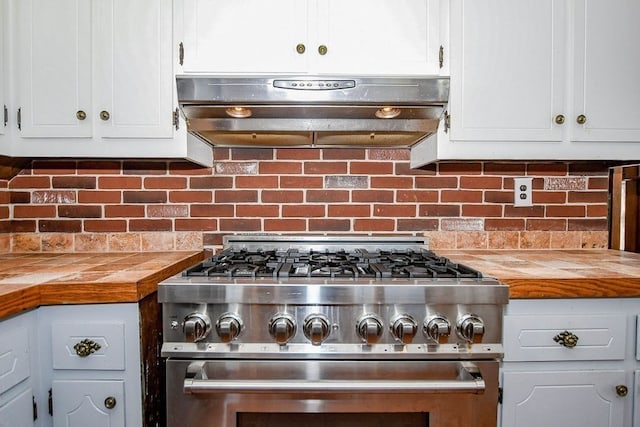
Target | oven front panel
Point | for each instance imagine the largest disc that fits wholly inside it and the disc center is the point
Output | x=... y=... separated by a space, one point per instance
x=233 y=393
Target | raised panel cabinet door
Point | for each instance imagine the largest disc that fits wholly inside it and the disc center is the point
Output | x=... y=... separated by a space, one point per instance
x=17 y=411
x=245 y=36
x=377 y=37
x=133 y=74
x=4 y=25
x=507 y=70
x=54 y=68
x=82 y=403
x=607 y=66
x=563 y=399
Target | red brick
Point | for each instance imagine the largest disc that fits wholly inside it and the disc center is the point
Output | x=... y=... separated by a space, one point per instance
x=220 y=153
x=482 y=210
x=31 y=211
x=404 y=168
x=210 y=182
x=588 y=224
x=549 y=197
x=374 y=225
x=417 y=224
x=465 y=196
x=329 y=224
x=388 y=154
x=301 y=182
x=88 y=196
x=372 y=196
x=466 y=168
x=105 y=226
x=325 y=168
x=144 y=167
x=306 y=210
x=416 y=196
x=536 y=183
x=498 y=196
x=504 y=168
x=371 y=168
x=343 y=153
x=5 y=226
x=150 y=225
x=4 y=212
x=167 y=211
x=257 y=210
x=245 y=224
x=124 y=211
x=498 y=224
x=188 y=168
x=565 y=211
x=481 y=182
x=436 y=182
x=327 y=196
x=190 y=196
x=252 y=153
x=280 y=168
x=523 y=211
x=79 y=211
x=173 y=183
x=349 y=210
x=260 y=181
x=24 y=181
x=19 y=197
x=119 y=182
x=438 y=210
x=269 y=196
x=391 y=182
x=589 y=168
x=298 y=154
x=98 y=167
x=5 y=197
x=555 y=169
x=23 y=226
x=597 y=210
x=88 y=182
x=285 y=225
x=212 y=211
x=235 y=196
x=144 y=196
x=598 y=183
x=394 y=210
x=546 y=224
x=212 y=239
x=60 y=226
x=53 y=167
x=190 y=224
x=588 y=197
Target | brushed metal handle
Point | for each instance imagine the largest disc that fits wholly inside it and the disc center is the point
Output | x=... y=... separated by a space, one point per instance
x=322 y=49
x=110 y=402
x=559 y=119
x=86 y=347
x=621 y=390
x=581 y=119
x=566 y=339
x=104 y=115
x=81 y=115
x=300 y=48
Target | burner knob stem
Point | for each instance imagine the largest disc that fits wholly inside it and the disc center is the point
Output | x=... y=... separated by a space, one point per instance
x=228 y=327
x=316 y=328
x=196 y=327
x=369 y=328
x=471 y=328
x=282 y=328
x=404 y=328
x=437 y=328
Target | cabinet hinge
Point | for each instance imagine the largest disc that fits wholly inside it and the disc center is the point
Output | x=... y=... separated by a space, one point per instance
x=181 y=53
x=50 y=402
x=35 y=408
x=441 y=56
x=6 y=116
x=500 y=392
x=176 y=119
x=447 y=121
x=19 y=118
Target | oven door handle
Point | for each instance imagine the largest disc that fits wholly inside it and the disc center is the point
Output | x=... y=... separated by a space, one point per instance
x=469 y=380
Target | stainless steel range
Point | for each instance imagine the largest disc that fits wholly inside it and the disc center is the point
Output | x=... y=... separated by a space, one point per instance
x=332 y=330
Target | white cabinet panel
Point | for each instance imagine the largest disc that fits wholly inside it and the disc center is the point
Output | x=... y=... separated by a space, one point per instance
x=4 y=75
x=14 y=353
x=81 y=403
x=105 y=341
x=18 y=411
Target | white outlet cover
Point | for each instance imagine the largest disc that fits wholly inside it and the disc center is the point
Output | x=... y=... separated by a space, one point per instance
x=522 y=191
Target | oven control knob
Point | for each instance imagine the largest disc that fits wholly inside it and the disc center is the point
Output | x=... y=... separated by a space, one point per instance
x=316 y=328
x=437 y=328
x=196 y=326
x=470 y=328
x=403 y=328
x=282 y=328
x=228 y=327
x=369 y=328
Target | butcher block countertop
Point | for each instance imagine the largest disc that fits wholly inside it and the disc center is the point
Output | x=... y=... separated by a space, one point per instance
x=588 y=273
x=28 y=280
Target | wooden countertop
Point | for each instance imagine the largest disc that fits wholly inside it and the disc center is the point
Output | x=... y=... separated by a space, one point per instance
x=28 y=280
x=588 y=273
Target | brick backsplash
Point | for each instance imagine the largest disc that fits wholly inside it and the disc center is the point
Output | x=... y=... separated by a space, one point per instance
x=69 y=205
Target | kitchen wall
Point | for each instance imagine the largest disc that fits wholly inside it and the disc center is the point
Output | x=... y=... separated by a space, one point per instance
x=87 y=205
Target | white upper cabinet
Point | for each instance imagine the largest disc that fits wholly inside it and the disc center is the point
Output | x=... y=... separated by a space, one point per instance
x=364 y=37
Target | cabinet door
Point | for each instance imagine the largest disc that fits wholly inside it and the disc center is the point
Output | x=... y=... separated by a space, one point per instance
x=4 y=25
x=88 y=403
x=507 y=70
x=607 y=66
x=245 y=36
x=377 y=37
x=563 y=399
x=133 y=68
x=54 y=70
x=18 y=411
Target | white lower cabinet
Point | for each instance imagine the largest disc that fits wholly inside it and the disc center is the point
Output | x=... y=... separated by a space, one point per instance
x=570 y=363
x=77 y=403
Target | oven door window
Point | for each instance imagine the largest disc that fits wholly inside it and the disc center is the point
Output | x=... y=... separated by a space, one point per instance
x=251 y=419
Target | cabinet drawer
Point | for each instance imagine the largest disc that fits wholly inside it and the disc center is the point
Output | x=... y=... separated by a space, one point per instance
x=96 y=346
x=14 y=353
x=533 y=337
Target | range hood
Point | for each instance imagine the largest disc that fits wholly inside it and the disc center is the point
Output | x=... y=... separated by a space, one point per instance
x=304 y=111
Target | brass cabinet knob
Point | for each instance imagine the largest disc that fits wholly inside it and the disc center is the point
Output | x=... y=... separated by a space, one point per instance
x=322 y=49
x=581 y=119
x=559 y=119
x=81 y=115
x=300 y=48
x=86 y=347
x=104 y=115
x=621 y=390
x=110 y=402
x=566 y=339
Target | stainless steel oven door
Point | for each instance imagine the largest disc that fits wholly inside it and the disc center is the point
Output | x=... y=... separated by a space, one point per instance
x=336 y=393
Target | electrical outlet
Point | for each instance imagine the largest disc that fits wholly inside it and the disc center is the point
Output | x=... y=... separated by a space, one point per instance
x=522 y=191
